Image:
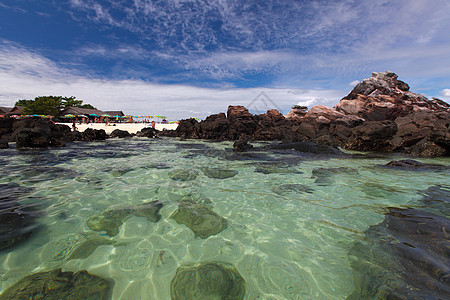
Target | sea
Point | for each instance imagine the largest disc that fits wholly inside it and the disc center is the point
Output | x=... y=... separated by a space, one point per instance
x=293 y=225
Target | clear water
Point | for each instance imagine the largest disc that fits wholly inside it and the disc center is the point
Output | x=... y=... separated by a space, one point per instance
x=285 y=244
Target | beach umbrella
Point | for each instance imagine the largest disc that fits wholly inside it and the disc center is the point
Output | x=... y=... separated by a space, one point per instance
x=69 y=116
x=94 y=115
x=105 y=115
x=82 y=116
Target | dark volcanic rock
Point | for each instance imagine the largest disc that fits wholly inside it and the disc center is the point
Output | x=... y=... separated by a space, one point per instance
x=90 y=135
x=57 y=284
x=241 y=146
x=208 y=280
x=380 y=114
x=111 y=220
x=404 y=257
x=148 y=132
x=117 y=133
x=38 y=133
x=199 y=218
x=4 y=144
x=17 y=221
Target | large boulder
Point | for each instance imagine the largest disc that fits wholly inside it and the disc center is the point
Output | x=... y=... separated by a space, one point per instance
x=242 y=123
x=215 y=127
x=384 y=97
x=148 y=132
x=117 y=133
x=38 y=133
x=372 y=136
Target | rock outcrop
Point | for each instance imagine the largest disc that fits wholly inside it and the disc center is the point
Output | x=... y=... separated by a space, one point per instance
x=379 y=114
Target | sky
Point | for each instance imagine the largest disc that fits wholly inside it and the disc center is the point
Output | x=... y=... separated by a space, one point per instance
x=193 y=58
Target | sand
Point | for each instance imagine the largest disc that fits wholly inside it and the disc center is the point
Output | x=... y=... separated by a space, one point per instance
x=130 y=127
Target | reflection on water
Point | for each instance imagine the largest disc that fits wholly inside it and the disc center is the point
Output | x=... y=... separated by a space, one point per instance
x=147 y=216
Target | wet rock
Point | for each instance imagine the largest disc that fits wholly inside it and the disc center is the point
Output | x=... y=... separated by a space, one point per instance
x=148 y=132
x=57 y=284
x=219 y=173
x=4 y=144
x=414 y=165
x=117 y=133
x=17 y=221
x=372 y=136
x=306 y=147
x=404 y=257
x=38 y=133
x=183 y=175
x=209 y=280
x=111 y=220
x=159 y=166
x=199 y=218
x=90 y=135
x=284 y=189
x=241 y=146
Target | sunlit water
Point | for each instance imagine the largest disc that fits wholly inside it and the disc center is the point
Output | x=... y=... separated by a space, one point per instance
x=286 y=243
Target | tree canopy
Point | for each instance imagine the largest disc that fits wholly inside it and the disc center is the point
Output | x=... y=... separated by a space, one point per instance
x=50 y=105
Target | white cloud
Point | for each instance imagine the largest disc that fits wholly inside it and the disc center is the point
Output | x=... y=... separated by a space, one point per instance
x=25 y=75
x=445 y=92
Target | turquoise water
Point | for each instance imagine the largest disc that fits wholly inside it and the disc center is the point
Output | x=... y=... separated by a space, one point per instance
x=290 y=226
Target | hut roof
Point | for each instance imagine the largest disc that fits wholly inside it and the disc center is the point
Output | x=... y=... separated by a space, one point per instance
x=16 y=110
x=5 y=110
x=81 y=111
x=115 y=113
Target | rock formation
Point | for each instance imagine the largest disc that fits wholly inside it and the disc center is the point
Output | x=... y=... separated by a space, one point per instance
x=379 y=114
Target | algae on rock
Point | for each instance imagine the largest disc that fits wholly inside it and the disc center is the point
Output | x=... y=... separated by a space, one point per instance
x=199 y=218
x=111 y=220
x=209 y=280
x=218 y=173
x=183 y=175
x=56 y=284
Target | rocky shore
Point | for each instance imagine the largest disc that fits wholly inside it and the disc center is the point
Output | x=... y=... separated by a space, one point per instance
x=379 y=114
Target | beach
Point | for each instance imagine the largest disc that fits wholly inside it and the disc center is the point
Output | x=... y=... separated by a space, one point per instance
x=130 y=127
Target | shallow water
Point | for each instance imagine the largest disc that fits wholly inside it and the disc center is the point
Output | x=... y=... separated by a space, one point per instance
x=290 y=227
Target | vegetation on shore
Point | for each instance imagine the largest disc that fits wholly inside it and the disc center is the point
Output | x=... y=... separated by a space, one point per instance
x=50 y=105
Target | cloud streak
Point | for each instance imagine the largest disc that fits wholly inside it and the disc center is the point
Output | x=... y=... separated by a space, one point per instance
x=26 y=75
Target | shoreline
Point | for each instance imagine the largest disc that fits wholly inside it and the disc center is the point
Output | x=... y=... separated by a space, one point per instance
x=132 y=128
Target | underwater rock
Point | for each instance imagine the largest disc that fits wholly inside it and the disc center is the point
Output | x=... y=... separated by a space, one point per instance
x=404 y=257
x=437 y=198
x=414 y=165
x=56 y=284
x=120 y=172
x=276 y=168
x=183 y=175
x=218 y=173
x=88 y=246
x=287 y=188
x=307 y=147
x=17 y=221
x=199 y=218
x=324 y=176
x=210 y=280
x=159 y=166
x=111 y=220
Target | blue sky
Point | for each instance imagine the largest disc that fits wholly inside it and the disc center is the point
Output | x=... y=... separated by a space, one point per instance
x=187 y=58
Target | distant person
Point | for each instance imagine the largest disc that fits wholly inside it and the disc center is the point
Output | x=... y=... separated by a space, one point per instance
x=74 y=126
x=153 y=124
x=164 y=121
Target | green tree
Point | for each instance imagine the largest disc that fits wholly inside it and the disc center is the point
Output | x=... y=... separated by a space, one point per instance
x=50 y=105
